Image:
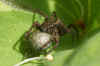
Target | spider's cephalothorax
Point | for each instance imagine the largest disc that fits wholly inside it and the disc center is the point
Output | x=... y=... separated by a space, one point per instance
x=53 y=26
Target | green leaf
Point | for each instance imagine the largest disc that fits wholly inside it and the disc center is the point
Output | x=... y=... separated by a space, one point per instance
x=14 y=22
x=88 y=53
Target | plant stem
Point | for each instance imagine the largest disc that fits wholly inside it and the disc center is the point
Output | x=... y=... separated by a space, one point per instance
x=27 y=60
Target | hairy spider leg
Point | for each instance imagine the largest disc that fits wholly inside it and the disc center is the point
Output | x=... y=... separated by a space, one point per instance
x=27 y=34
x=56 y=40
x=55 y=46
x=53 y=17
x=61 y=26
x=40 y=12
x=81 y=24
x=72 y=26
x=45 y=45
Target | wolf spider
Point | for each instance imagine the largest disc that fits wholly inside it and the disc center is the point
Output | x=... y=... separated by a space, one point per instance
x=51 y=25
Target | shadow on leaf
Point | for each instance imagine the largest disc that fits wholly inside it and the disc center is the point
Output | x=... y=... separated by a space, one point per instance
x=86 y=37
x=30 y=5
x=25 y=48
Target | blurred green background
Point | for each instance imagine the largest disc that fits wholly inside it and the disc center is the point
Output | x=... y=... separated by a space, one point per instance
x=16 y=17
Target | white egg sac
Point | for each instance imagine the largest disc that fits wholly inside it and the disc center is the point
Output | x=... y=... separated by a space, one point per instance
x=41 y=39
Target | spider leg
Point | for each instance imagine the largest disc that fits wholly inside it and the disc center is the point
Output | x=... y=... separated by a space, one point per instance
x=54 y=14
x=53 y=17
x=27 y=34
x=40 y=12
x=54 y=47
x=75 y=32
x=61 y=26
x=56 y=40
x=45 y=45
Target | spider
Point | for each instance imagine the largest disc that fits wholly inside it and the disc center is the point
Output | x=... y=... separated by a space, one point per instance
x=53 y=26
